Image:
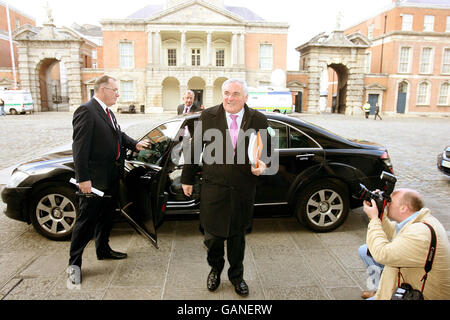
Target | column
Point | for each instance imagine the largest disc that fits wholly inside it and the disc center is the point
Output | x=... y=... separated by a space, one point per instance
x=157 y=48
x=234 y=50
x=242 y=50
x=208 y=49
x=183 y=48
x=150 y=47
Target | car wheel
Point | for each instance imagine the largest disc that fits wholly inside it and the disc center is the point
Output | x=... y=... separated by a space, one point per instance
x=323 y=206
x=53 y=212
x=13 y=111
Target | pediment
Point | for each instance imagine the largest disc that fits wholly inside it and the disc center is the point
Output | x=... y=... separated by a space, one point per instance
x=375 y=86
x=46 y=33
x=194 y=12
x=359 y=39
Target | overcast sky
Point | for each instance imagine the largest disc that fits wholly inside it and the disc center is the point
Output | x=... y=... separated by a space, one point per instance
x=306 y=18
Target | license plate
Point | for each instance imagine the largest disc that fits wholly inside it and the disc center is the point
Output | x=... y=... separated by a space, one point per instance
x=446 y=163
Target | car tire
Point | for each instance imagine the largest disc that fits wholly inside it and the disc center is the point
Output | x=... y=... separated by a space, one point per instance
x=13 y=111
x=53 y=212
x=323 y=205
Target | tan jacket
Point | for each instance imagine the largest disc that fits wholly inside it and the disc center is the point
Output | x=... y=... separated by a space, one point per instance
x=409 y=249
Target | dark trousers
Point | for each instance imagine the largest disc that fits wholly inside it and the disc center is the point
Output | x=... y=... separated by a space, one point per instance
x=377 y=115
x=95 y=218
x=235 y=254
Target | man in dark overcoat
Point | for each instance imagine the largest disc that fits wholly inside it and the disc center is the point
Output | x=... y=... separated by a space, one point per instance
x=229 y=181
x=99 y=148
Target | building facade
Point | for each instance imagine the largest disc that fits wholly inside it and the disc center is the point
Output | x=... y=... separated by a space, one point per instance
x=16 y=20
x=161 y=51
x=408 y=68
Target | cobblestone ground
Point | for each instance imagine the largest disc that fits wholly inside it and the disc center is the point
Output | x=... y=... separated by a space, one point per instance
x=283 y=259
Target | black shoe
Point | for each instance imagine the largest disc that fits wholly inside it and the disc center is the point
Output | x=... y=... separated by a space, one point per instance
x=111 y=255
x=241 y=288
x=213 y=280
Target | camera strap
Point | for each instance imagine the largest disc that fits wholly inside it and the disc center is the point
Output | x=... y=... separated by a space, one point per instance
x=430 y=258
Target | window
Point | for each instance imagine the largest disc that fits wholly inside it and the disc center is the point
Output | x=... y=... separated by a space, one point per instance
x=196 y=57
x=281 y=133
x=407 y=22
x=370 y=31
x=426 y=65
x=447 y=25
x=446 y=61
x=444 y=96
x=127 y=90
x=368 y=62
x=428 y=24
x=94 y=54
x=171 y=57
x=160 y=139
x=17 y=23
x=265 y=56
x=220 y=58
x=300 y=140
x=423 y=93
x=126 y=52
x=404 y=63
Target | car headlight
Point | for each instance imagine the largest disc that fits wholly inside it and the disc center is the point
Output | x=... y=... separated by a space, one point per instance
x=16 y=179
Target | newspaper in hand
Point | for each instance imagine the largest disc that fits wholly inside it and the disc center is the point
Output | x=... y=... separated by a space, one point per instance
x=255 y=147
x=93 y=190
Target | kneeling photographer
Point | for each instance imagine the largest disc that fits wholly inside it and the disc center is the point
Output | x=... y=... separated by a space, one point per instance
x=399 y=239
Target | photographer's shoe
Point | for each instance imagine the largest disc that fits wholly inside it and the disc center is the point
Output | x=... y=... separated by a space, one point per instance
x=368 y=294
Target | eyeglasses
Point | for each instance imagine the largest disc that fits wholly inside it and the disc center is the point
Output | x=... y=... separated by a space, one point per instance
x=116 y=91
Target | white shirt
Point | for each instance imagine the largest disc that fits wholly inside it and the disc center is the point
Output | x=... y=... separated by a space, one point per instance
x=240 y=115
x=104 y=106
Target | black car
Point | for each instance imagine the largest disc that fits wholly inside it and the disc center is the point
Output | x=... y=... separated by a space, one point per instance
x=318 y=174
x=443 y=161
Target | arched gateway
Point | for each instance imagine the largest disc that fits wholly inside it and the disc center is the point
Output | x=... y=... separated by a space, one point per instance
x=347 y=56
x=50 y=63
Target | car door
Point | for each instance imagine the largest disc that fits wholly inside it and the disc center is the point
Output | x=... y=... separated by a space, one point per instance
x=142 y=194
x=298 y=154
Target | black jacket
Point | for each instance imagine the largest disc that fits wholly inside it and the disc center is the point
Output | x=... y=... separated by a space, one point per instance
x=228 y=189
x=95 y=145
x=194 y=108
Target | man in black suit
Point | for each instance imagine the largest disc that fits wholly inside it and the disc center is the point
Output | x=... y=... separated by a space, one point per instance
x=229 y=185
x=99 y=148
x=188 y=106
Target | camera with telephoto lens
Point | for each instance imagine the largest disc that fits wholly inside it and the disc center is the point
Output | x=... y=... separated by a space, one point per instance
x=381 y=197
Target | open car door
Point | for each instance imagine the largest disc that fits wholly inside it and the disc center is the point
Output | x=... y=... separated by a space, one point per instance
x=142 y=194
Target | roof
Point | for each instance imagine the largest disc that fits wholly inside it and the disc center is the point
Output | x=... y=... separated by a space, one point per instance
x=150 y=10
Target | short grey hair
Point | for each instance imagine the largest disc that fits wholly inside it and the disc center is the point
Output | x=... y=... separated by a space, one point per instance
x=102 y=80
x=243 y=83
x=189 y=92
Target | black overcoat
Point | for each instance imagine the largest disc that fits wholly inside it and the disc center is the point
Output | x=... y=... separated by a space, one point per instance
x=228 y=188
x=95 y=145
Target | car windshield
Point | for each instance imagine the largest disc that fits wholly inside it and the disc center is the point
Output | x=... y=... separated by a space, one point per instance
x=160 y=139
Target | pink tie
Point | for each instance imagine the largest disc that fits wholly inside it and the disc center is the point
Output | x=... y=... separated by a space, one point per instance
x=234 y=131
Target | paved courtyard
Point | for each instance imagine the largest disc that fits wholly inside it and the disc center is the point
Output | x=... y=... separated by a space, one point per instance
x=284 y=260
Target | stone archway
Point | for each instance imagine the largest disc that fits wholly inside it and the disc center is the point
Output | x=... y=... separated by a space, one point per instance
x=52 y=85
x=197 y=85
x=40 y=48
x=217 y=94
x=346 y=55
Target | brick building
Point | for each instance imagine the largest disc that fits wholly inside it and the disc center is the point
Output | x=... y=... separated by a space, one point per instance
x=408 y=69
x=17 y=19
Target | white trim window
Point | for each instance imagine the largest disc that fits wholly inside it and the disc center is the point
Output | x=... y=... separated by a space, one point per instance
x=370 y=31
x=407 y=22
x=220 y=57
x=265 y=56
x=405 y=60
x=126 y=54
x=446 y=61
x=444 y=94
x=195 y=57
x=426 y=60
x=172 y=57
x=428 y=23
x=423 y=93
x=447 y=25
x=127 y=90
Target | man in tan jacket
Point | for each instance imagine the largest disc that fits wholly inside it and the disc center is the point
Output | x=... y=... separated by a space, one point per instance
x=400 y=240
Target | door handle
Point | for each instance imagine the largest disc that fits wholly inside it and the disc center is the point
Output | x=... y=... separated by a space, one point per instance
x=305 y=156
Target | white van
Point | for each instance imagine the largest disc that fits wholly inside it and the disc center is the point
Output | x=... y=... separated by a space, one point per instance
x=270 y=99
x=17 y=101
